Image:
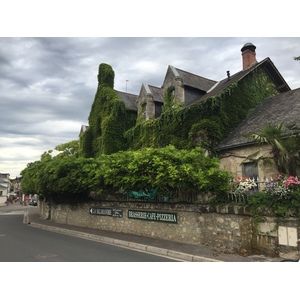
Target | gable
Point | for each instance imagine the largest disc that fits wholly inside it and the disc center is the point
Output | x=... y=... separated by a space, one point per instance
x=188 y=79
x=158 y=94
x=265 y=64
x=154 y=92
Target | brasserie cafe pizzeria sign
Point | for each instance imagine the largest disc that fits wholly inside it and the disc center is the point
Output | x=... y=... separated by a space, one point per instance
x=153 y=216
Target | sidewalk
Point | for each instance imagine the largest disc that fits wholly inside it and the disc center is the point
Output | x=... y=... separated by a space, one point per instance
x=176 y=250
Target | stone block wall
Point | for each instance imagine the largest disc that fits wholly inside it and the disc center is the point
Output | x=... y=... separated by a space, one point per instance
x=225 y=227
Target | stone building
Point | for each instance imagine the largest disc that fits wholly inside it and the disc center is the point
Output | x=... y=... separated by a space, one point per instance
x=234 y=150
x=149 y=102
x=189 y=89
x=186 y=87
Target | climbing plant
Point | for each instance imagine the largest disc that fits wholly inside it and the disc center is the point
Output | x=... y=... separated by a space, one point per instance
x=108 y=119
x=206 y=123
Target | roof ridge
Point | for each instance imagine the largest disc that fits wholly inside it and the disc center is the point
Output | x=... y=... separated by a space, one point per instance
x=195 y=74
x=126 y=93
x=155 y=86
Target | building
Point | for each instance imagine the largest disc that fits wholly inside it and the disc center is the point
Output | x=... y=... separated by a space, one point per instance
x=4 y=187
x=235 y=149
x=190 y=90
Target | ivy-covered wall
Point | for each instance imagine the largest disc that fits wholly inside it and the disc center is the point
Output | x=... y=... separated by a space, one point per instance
x=113 y=128
x=108 y=119
x=206 y=123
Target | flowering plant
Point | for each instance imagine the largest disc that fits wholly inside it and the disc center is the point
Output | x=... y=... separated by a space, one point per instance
x=281 y=196
x=241 y=186
x=281 y=186
x=291 y=181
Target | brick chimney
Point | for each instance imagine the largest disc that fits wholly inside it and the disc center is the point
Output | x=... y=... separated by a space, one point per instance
x=248 y=55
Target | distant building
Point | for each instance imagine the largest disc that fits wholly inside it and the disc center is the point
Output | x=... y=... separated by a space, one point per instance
x=4 y=187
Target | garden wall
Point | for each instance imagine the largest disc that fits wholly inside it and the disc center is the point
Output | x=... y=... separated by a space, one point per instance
x=225 y=227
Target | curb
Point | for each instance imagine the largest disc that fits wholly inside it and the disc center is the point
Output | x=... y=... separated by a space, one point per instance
x=135 y=246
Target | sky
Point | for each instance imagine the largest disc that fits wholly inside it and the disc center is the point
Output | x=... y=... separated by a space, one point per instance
x=48 y=77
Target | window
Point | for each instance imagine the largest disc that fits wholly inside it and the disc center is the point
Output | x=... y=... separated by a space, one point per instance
x=250 y=170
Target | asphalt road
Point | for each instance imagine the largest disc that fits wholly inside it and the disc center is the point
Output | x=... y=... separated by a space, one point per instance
x=22 y=243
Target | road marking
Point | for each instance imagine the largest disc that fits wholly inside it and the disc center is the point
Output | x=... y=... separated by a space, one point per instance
x=44 y=256
x=13 y=212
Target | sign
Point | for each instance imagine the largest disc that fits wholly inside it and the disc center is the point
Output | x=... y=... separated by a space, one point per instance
x=153 y=216
x=111 y=212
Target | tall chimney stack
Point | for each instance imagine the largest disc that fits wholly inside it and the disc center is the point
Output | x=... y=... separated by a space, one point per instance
x=249 y=55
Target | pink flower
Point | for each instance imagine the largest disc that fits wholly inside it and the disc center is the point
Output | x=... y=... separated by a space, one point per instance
x=291 y=180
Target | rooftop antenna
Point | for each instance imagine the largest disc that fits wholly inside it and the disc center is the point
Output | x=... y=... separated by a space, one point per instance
x=126 y=84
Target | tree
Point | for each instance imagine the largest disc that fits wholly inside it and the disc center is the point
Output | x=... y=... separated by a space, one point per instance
x=285 y=146
x=68 y=149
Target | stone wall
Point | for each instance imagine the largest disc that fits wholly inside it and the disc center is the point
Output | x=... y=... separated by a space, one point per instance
x=232 y=160
x=225 y=227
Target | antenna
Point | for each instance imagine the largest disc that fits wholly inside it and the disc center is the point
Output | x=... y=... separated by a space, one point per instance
x=126 y=84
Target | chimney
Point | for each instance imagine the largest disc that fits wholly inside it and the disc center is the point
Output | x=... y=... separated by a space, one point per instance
x=248 y=54
x=228 y=75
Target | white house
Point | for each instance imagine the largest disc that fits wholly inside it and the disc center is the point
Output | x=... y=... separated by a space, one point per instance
x=4 y=188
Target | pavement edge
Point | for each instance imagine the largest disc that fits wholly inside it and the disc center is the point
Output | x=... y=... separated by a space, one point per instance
x=135 y=246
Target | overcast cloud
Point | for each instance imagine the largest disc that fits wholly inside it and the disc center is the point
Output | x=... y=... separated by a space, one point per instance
x=47 y=85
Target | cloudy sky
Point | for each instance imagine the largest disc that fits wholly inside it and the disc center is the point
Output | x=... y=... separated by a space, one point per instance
x=48 y=83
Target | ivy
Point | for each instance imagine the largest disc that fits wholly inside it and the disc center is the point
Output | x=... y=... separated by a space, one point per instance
x=212 y=120
x=112 y=128
x=108 y=119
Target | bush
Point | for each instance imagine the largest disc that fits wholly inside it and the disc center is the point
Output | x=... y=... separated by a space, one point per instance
x=166 y=169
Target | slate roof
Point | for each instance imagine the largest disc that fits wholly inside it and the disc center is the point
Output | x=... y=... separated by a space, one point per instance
x=222 y=85
x=283 y=107
x=129 y=100
x=157 y=93
x=195 y=81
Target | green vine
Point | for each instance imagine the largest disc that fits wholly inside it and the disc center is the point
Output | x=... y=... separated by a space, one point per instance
x=108 y=119
x=207 y=123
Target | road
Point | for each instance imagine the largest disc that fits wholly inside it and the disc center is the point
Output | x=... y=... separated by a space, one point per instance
x=22 y=243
